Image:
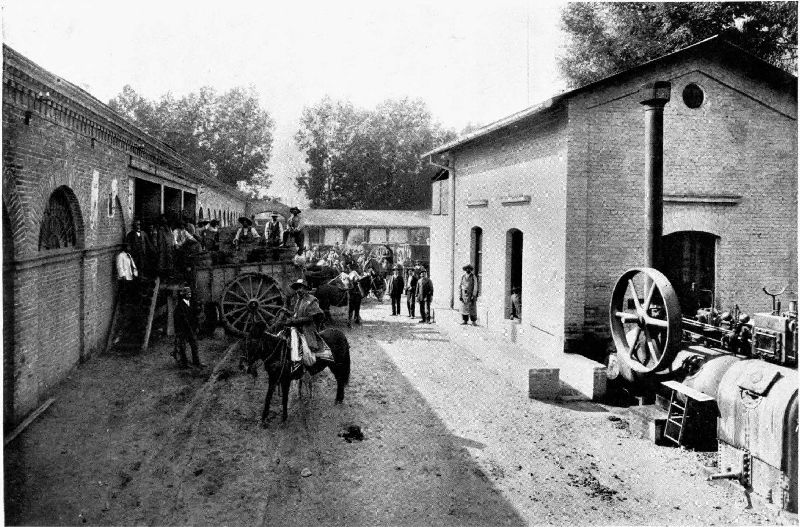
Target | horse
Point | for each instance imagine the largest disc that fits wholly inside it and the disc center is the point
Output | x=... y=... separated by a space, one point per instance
x=273 y=349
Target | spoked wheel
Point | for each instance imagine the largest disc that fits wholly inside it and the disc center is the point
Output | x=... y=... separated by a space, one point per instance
x=248 y=299
x=645 y=320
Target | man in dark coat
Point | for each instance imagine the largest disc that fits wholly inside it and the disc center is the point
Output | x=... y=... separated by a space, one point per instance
x=140 y=247
x=411 y=291
x=164 y=243
x=294 y=230
x=424 y=296
x=185 y=322
x=396 y=290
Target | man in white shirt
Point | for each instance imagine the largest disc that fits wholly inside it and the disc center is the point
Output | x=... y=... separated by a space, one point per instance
x=127 y=276
x=246 y=234
x=273 y=231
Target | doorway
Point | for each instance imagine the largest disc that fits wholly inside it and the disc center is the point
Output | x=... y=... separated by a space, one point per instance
x=689 y=263
x=513 y=268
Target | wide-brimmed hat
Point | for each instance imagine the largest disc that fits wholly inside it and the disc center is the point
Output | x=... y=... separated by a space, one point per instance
x=294 y=210
x=202 y=222
x=299 y=283
x=468 y=267
x=274 y=214
x=245 y=219
x=214 y=223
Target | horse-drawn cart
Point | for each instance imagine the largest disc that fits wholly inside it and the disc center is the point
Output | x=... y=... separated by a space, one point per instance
x=245 y=292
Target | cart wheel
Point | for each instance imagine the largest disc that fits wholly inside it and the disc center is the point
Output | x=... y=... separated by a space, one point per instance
x=248 y=299
x=645 y=320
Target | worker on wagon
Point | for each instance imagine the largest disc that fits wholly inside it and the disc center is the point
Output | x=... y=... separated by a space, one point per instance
x=306 y=317
x=211 y=235
x=294 y=229
x=185 y=322
x=468 y=294
x=246 y=233
x=273 y=231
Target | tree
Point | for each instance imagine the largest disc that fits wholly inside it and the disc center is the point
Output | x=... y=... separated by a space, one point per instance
x=368 y=159
x=229 y=134
x=605 y=38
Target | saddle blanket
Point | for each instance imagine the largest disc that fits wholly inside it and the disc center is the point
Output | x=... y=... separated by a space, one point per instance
x=301 y=352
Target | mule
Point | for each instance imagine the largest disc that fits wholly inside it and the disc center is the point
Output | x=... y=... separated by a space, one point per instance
x=274 y=350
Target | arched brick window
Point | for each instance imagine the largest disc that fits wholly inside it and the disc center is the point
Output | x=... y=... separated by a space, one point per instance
x=200 y=213
x=58 y=229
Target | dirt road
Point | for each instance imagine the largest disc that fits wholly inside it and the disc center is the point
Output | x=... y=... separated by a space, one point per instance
x=450 y=438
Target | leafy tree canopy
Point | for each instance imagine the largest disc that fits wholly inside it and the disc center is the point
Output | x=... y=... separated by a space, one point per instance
x=228 y=134
x=368 y=159
x=605 y=38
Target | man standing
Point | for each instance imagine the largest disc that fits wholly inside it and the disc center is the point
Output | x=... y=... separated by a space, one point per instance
x=185 y=323
x=424 y=296
x=139 y=246
x=294 y=229
x=211 y=235
x=469 y=296
x=273 y=231
x=164 y=242
x=411 y=290
x=396 y=290
x=353 y=296
x=127 y=276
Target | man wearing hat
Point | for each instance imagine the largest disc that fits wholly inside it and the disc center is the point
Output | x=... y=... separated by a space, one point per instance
x=424 y=296
x=411 y=290
x=185 y=323
x=294 y=229
x=469 y=296
x=396 y=290
x=246 y=233
x=273 y=231
x=307 y=315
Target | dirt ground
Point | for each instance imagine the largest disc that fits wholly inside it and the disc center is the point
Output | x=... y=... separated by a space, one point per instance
x=450 y=438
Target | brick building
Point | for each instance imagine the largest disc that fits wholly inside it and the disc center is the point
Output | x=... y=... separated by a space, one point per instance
x=74 y=176
x=551 y=199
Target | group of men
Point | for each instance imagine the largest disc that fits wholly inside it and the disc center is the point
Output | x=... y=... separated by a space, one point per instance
x=417 y=287
x=275 y=234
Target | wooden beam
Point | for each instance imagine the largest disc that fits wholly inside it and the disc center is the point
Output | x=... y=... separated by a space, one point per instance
x=28 y=420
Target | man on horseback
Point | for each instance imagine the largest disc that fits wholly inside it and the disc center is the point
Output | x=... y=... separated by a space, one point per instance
x=306 y=317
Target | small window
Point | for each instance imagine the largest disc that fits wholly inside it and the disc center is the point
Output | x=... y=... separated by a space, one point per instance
x=57 y=229
x=693 y=96
x=110 y=204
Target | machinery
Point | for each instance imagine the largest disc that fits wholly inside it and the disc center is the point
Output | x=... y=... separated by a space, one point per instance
x=744 y=365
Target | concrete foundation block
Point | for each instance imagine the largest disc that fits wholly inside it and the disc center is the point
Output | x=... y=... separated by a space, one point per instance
x=543 y=383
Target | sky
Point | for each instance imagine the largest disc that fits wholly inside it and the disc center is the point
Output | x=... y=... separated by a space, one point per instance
x=471 y=62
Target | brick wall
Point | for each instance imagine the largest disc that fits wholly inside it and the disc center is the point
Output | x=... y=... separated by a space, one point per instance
x=63 y=299
x=504 y=171
x=582 y=231
x=734 y=144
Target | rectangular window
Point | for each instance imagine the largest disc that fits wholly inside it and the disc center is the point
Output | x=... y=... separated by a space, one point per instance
x=436 y=206
x=445 y=193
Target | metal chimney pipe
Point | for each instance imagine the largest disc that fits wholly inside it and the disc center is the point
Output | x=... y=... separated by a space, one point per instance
x=655 y=95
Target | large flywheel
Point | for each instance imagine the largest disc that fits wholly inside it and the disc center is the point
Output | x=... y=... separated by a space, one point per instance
x=645 y=320
x=248 y=299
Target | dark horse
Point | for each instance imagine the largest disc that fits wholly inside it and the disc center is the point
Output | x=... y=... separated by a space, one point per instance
x=273 y=349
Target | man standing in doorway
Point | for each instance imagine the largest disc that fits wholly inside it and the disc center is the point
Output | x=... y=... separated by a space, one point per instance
x=140 y=247
x=127 y=277
x=396 y=290
x=469 y=296
x=424 y=296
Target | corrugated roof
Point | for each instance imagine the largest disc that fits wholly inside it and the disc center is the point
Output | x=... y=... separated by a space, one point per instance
x=549 y=103
x=366 y=218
